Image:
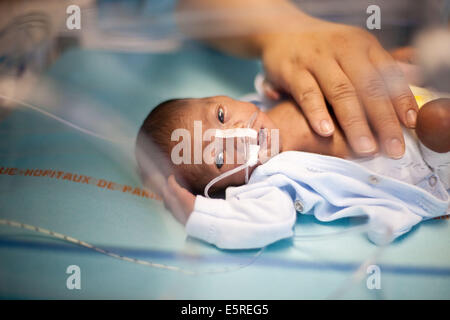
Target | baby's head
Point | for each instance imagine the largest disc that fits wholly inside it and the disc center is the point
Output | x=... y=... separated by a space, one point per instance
x=179 y=129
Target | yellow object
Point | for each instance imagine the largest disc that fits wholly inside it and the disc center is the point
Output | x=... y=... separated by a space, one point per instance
x=422 y=95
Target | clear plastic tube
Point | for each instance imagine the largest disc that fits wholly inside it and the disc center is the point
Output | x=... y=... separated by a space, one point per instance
x=114 y=255
x=63 y=121
x=223 y=176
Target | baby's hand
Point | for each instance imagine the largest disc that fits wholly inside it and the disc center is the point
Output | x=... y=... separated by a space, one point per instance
x=178 y=200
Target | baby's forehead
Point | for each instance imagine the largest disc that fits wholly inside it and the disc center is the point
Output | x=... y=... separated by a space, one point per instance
x=197 y=108
x=201 y=103
x=202 y=110
x=204 y=101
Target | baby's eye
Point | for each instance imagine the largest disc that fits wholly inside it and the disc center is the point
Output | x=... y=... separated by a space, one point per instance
x=219 y=160
x=221 y=115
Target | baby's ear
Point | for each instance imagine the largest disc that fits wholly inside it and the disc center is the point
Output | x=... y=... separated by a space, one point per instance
x=155 y=182
x=178 y=200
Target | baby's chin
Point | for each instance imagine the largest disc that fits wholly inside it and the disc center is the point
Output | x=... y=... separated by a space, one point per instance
x=252 y=168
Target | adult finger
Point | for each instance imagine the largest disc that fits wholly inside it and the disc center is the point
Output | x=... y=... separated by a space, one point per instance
x=306 y=92
x=399 y=92
x=404 y=54
x=343 y=97
x=270 y=91
x=412 y=73
x=377 y=104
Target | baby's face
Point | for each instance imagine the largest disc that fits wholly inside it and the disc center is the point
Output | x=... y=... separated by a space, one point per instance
x=222 y=112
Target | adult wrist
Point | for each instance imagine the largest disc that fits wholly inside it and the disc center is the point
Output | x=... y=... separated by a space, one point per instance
x=281 y=25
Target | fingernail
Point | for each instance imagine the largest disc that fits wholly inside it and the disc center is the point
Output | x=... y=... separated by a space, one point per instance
x=395 y=148
x=365 y=144
x=411 y=117
x=326 y=127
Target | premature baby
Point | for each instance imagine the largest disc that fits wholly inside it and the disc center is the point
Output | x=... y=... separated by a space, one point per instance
x=272 y=166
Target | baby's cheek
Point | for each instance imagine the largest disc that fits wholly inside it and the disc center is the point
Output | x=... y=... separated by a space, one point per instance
x=236 y=179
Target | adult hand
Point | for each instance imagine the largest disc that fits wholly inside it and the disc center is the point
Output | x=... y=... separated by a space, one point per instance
x=347 y=66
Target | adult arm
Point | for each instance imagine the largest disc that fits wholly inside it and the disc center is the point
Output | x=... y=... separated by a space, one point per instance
x=314 y=60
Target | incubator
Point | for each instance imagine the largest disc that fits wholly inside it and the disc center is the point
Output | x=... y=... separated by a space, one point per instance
x=72 y=100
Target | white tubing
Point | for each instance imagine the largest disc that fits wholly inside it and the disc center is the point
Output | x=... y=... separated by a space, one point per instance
x=222 y=176
x=252 y=160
